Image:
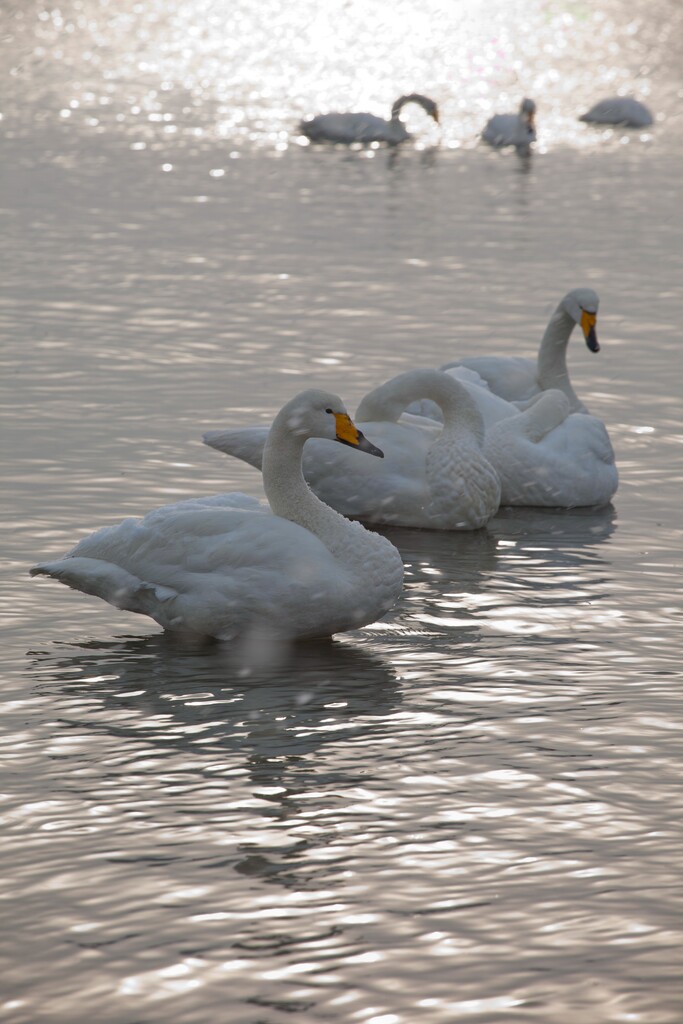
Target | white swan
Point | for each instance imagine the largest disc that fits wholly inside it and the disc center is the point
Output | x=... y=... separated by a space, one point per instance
x=223 y=565
x=348 y=128
x=548 y=456
x=432 y=476
x=517 y=379
x=619 y=110
x=512 y=129
x=543 y=453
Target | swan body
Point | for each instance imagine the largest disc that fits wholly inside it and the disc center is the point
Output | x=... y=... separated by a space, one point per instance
x=543 y=453
x=360 y=127
x=548 y=456
x=517 y=130
x=433 y=475
x=517 y=379
x=224 y=565
x=619 y=110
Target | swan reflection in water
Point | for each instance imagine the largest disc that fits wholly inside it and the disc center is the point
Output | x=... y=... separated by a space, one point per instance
x=174 y=690
x=541 y=563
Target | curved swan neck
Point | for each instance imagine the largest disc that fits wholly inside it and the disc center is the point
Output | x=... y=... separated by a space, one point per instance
x=288 y=494
x=413 y=97
x=552 y=355
x=387 y=402
x=290 y=497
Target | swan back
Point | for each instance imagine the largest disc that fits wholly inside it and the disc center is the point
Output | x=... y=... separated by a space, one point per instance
x=348 y=128
x=517 y=130
x=619 y=110
x=552 y=457
x=244 y=443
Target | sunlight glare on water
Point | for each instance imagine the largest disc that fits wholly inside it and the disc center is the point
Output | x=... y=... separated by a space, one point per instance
x=243 y=72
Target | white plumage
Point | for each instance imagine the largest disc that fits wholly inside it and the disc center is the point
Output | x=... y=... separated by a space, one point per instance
x=619 y=110
x=517 y=130
x=222 y=565
x=543 y=453
x=361 y=127
x=549 y=456
x=433 y=476
x=517 y=379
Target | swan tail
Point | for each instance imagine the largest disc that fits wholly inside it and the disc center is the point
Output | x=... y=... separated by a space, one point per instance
x=245 y=444
x=110 y=582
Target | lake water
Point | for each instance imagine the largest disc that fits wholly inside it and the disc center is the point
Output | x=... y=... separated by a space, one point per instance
x=469 y=811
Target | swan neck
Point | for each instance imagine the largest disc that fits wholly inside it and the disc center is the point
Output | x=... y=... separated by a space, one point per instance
x=460 y=412
x=288 y=494
x=400 y=103
x=461 y=415
x=552 y=355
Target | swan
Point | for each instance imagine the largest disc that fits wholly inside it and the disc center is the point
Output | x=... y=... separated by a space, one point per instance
x=619 y=110
x=517 y=379
x=223 y=565
x=544 y=454
x=336 y=127
x=512 y=129
x=433 y=475
x=547 y=455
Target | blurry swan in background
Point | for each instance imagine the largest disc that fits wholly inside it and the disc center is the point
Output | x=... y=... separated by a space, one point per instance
x=517 y=379
x=619 y=110
x=517 y=130
x=433 y=475
x=225 y=565
x=348 y=128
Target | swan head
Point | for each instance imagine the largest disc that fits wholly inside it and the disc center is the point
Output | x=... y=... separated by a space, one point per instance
x=315 y=413
x=582 y=306
x=429 y=106
x=527 y=113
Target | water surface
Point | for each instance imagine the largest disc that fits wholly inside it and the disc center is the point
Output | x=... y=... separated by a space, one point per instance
x=470 y=810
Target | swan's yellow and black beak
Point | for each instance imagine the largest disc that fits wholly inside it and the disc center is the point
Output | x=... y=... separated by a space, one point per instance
x=348 y=433
x=435 y=114
x=588 y=327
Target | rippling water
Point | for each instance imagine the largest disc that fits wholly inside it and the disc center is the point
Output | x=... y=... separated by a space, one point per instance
x=469 y=811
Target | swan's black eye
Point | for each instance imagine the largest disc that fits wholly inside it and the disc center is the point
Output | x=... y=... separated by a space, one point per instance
x=328 y=410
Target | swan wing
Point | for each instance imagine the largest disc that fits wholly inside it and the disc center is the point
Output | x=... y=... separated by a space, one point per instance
x=508 y=130
x=567 y=465
x=619 y=110
x=347 y=128
x=373 y=489
x=513 y=378
x=211 y=566
x=500 y=129
x=245 y=443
